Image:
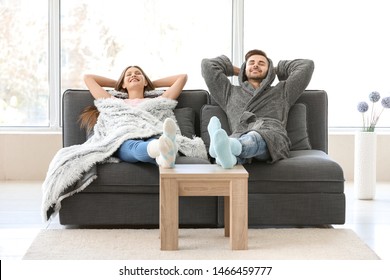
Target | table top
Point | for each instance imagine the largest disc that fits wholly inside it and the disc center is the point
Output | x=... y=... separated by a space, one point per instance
x=203 y=169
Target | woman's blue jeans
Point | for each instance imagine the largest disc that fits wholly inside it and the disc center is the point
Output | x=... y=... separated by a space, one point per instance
x=135 y=151
x=253 y=146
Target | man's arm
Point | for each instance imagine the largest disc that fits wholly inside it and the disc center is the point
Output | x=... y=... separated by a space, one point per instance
x=296 y=74
x=236 y=70
x=215 y=73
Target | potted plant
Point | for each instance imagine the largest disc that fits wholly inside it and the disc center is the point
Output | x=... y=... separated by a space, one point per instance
x=365 y=147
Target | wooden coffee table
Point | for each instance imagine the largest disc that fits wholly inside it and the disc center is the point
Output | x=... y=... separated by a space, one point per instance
x=204 y=180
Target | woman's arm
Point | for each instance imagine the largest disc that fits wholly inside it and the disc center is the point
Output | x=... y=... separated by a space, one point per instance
x=96 y=83
x=175 y=85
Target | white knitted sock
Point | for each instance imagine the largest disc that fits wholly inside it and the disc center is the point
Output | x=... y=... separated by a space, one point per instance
x=153 y=148
x=167 y=156
x=169 y=130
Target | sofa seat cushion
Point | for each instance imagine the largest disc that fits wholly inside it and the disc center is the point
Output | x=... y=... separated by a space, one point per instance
x=306 y=171
x=125 y=178
x=130 y=177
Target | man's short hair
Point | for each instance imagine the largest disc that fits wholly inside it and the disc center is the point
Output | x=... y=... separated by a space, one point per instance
x=255 y=52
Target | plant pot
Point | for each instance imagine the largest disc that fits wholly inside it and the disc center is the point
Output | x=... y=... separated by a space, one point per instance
x=365 y=165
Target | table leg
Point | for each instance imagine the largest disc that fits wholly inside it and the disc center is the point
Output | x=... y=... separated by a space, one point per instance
x=226 y=215
x=169 y=214
x=239 y=214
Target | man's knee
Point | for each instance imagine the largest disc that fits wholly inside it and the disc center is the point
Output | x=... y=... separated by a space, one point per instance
x=253 y=145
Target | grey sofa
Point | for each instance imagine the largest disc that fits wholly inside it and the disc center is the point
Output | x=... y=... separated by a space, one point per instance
x=307 y=189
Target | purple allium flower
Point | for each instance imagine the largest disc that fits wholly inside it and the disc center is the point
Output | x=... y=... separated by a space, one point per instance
x=362 y=107
x=370 y=121
x=386 y=102
x=374 y=96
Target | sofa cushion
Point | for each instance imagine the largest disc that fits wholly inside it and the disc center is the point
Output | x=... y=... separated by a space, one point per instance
x=186 y=120
x=297 y=128
x=305 y=171
x=126 y=177
x=296 y=125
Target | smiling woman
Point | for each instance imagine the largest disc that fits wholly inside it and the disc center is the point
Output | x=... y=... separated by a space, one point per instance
x=133 y=83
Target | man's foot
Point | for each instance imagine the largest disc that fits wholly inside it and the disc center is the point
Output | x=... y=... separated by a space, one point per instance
x=235 y=146
x=224 y=156
x=212 y=127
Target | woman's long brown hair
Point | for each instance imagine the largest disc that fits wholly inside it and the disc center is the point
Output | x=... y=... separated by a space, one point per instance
x=90 y=114
x=88 y=118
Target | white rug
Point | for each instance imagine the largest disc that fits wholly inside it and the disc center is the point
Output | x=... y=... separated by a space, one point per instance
x=202 y=244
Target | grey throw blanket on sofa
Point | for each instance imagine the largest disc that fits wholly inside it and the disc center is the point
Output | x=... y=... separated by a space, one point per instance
x=116 y=123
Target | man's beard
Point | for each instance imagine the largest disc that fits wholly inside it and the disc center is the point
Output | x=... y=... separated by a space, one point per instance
x=256 y=79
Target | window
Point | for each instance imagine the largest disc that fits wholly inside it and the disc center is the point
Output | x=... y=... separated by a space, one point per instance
x=347 y=40
x=24 y=90
x=163 y=37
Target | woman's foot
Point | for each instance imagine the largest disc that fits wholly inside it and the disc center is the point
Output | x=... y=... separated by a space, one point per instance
x=167 y=156
x=169 y=130
x=153 y=148
x=167 y=146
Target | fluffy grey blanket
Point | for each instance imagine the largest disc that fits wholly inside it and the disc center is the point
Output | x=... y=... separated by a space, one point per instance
x=116 y=123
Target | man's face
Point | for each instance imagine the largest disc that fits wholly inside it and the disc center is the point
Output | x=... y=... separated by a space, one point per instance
x=256 y=67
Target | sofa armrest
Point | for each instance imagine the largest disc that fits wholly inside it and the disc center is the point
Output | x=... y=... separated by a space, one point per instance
x=73 y=103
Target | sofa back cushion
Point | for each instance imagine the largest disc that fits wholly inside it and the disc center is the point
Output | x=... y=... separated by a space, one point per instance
x=74 y=102
x=296 y=125
x=316 y=102
x=297 y=128
x=186 y=120
x=194 y=99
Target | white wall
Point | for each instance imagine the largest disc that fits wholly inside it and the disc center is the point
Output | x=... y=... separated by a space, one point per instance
x=27 y=156
x=341 y=149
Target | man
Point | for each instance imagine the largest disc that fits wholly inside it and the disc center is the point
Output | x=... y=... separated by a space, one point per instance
x=257 y=111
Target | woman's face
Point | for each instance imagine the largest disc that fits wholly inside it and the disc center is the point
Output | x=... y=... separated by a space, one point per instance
x=134 y=79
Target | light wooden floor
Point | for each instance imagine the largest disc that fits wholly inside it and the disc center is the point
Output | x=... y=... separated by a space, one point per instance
x=20 y=219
